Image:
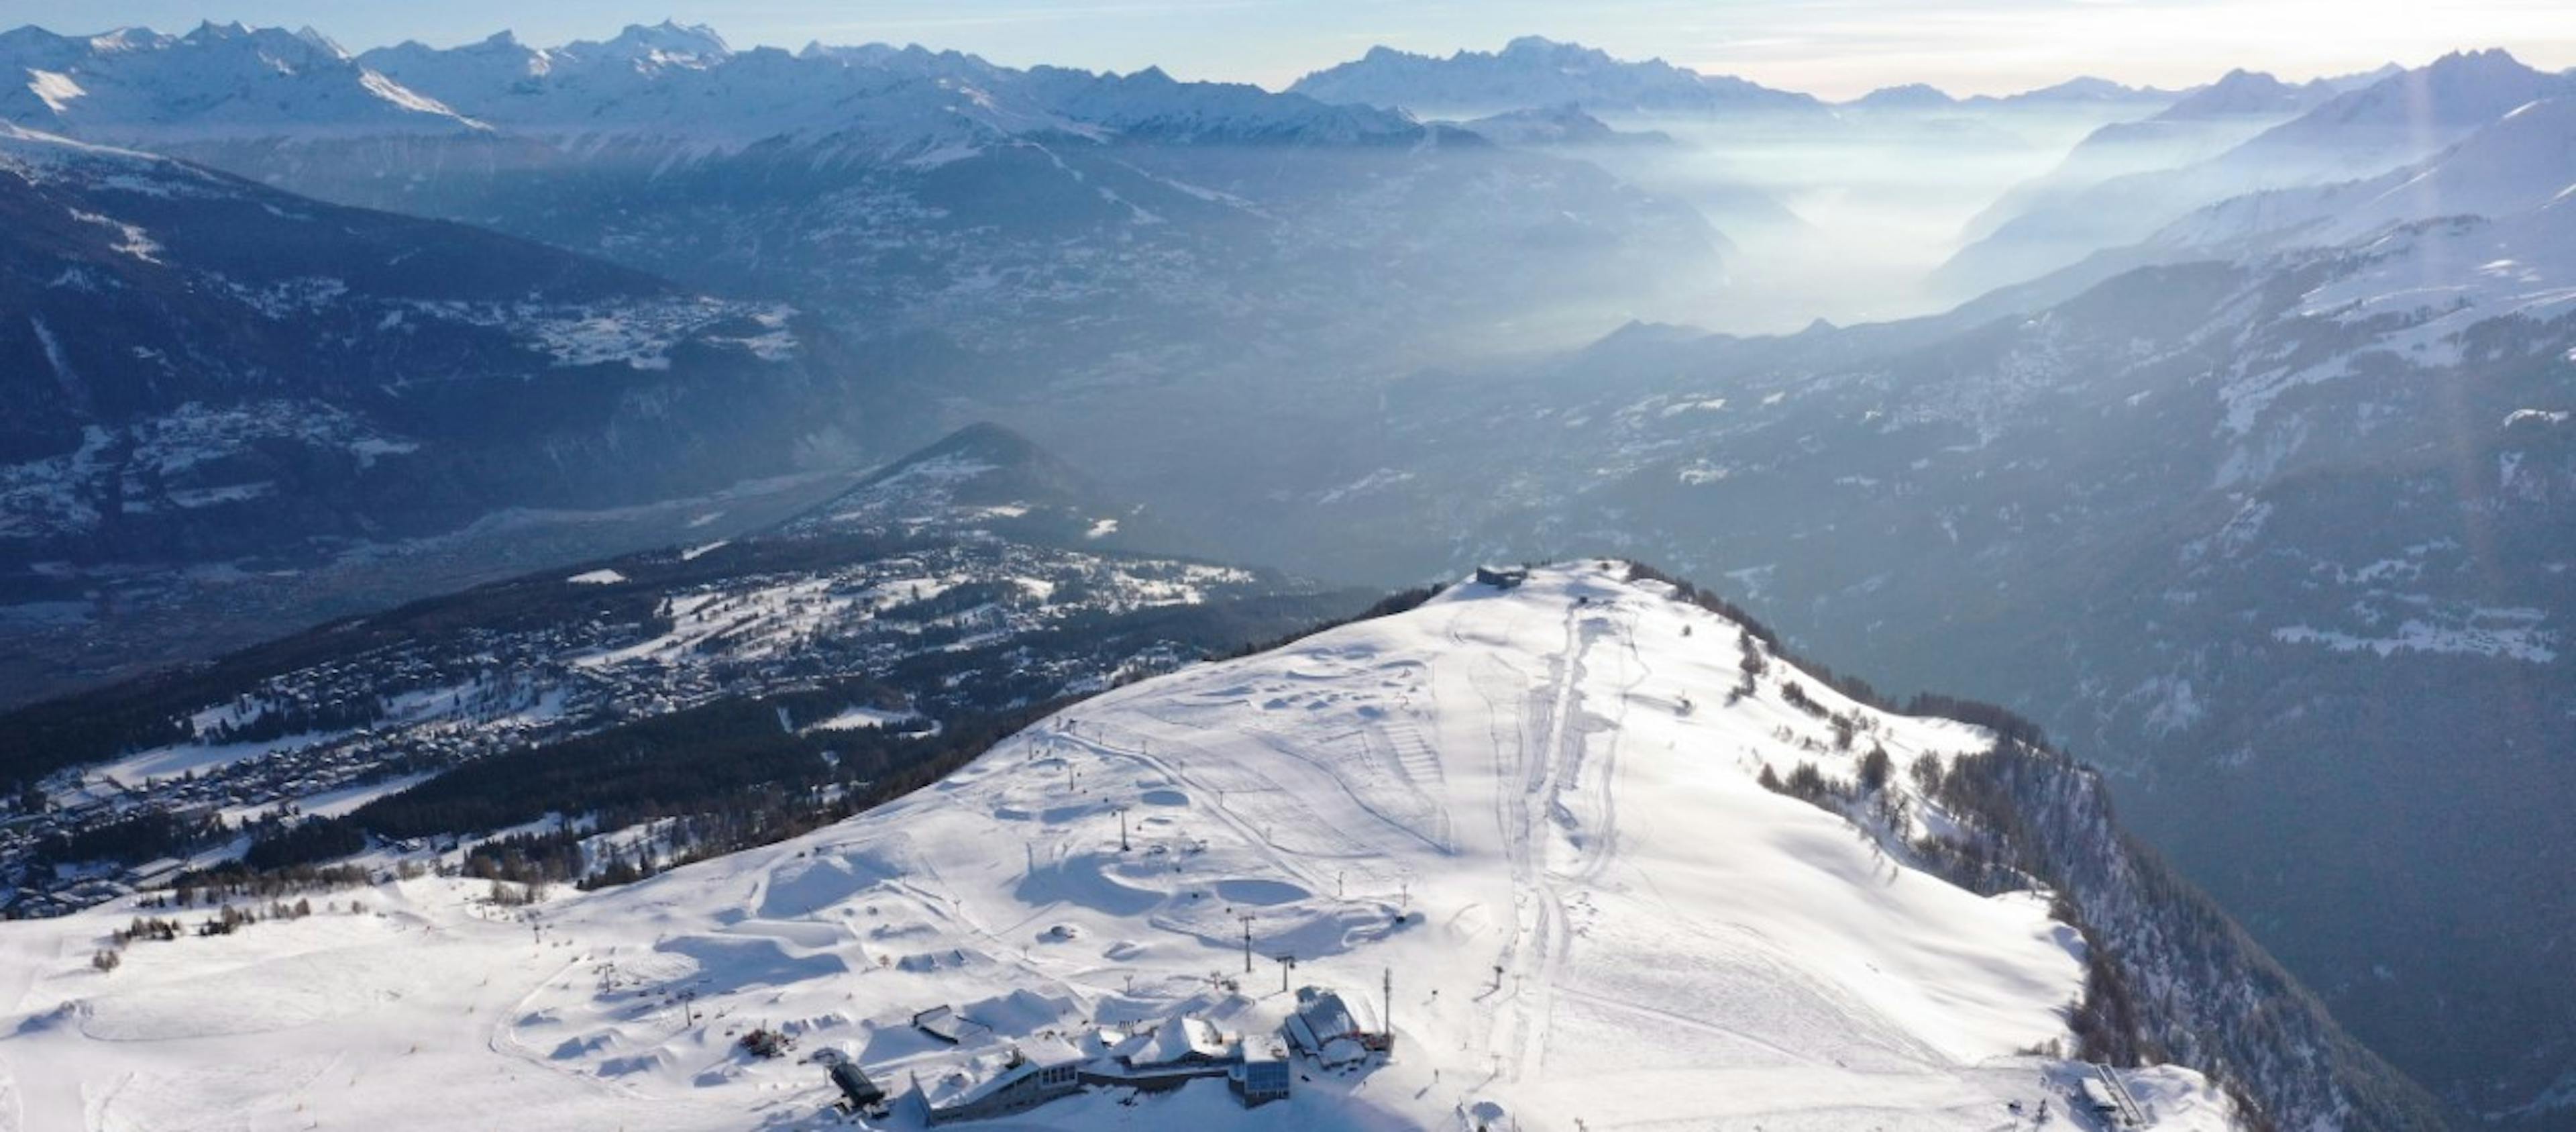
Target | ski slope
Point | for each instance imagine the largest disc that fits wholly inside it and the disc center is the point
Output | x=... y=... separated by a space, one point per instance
x=1534 y=810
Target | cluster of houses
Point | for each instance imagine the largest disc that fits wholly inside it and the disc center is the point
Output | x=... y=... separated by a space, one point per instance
x=1153 y=1058
x=427 y=705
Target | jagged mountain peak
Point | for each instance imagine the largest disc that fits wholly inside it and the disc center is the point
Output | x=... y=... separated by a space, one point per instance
x=669 y=39
x=2519 y=164
x=2461 y=89
x=1541 y=48
x=125 y=39
x=219 y=81
x=208 y=31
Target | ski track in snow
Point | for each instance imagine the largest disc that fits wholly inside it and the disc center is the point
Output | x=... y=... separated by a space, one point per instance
x=1523 y=774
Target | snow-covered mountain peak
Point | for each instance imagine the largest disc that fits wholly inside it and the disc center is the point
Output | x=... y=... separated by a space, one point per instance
x=123 y=39
x=220 y=81
x=666 y=44
x=2522 y=163
x=210 y=31
x=1535 y=809
x=309 y=34
x=1540 y=49
x=2459 y=90
x=1518 y=830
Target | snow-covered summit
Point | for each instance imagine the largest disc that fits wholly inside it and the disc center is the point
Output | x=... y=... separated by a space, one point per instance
x=218 y=81
x=1533 y=810
x=665 y=44
x=2443 y=99
x=2523 y=163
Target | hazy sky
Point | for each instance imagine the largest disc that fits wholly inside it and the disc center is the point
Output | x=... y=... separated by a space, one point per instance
x=1831 y=47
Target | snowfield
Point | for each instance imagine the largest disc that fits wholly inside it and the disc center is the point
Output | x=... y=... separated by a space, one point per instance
x=1534 y=810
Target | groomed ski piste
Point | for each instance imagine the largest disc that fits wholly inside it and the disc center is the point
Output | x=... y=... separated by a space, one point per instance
x=1533 y=810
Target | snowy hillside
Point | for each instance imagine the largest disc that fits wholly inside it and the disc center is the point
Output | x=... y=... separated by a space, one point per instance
x=1535 y=809
x=2198 y=520
x=2203 y=124
x=2524 y=162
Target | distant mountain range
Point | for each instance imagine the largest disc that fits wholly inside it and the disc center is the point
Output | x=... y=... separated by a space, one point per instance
x=1531 y=71
x=219 y=81
x=1058 y=225
x=2105 y=198
x=884 y=231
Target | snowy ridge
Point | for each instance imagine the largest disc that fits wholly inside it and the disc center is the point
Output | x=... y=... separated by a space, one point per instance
x=219 y=81
x=666 y=82
x=2522 y=162
x=2388 y=124
x=1535 y=807
x=896 y=103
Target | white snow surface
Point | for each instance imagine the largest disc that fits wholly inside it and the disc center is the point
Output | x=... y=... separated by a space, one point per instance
x=1536 y=809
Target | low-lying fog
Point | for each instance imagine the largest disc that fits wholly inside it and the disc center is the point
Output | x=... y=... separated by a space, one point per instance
x=1843 y=223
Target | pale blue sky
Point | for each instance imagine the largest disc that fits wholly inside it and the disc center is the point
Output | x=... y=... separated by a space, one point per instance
x=1832 y=47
